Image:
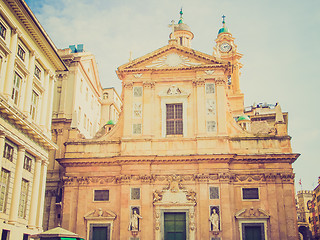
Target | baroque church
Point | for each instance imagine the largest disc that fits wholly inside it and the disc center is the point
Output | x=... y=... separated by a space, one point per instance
x=185 y=160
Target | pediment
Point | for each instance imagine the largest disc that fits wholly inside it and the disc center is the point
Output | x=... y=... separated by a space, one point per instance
x=172 y=57
x=252 y=213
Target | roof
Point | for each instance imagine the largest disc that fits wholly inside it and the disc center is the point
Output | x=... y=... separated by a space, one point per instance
x=57 y=232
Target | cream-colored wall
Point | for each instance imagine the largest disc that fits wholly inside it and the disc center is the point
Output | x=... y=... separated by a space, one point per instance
x=28 y=136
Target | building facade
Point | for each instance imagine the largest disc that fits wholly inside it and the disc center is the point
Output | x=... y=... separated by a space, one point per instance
x=28 y=62
x=304 y=198
x=183 y=161
x=314 y=209
x=81 y=107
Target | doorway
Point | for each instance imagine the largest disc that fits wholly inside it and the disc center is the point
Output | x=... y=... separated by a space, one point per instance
x=99 y=232
x=175 y=226
x=253 y=231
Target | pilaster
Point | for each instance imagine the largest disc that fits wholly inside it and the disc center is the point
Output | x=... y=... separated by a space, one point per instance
x=10 y=66
x=2 y=141
x=148 y=105
x=29 y=83
x=127 y=108
x=17 y=186
x=41 y=195
x=48 y=112
x=221 y=106
x=44 y=105
x=200 y=89
x=35 y=194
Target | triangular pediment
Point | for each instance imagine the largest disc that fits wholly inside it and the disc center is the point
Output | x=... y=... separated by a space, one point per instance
x=172 y=57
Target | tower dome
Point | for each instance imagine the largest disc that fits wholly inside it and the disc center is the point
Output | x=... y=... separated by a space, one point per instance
x=224 y=29
x=182 y=32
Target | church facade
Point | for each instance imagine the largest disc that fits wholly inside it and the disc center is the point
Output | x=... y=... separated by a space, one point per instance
x=183 y=161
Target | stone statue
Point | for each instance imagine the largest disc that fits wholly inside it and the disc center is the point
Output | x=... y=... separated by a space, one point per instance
x=214 y=219
x=134 y=221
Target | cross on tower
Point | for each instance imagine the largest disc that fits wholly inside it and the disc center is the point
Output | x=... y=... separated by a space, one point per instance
x=172 y=26
x=223 y=17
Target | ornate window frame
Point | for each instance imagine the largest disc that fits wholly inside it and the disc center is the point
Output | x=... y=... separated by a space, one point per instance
x=174 y=95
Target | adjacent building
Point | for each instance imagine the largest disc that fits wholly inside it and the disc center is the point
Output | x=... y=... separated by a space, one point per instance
x=81 y=108
x=28 y=62
x=304 y=198
x=184 y=160
x=314 y=208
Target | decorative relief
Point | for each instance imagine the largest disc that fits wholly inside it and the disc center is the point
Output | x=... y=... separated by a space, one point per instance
x=174 y=192
x=252 y=213
x=174 y=181
x=100 y=214
x=128 y=85
x=220 y=81
x=137 y=110
x=192 y=225
x=173 y=91
x=157 y=220
x=209 y=72
x=148 y=84
x=172 y=60
x=198 y=82
x=137 y=75
x=211 y=107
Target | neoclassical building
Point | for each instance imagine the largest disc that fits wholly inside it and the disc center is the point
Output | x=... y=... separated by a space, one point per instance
x=28 y=62
x=80 y=107
x=184 y=161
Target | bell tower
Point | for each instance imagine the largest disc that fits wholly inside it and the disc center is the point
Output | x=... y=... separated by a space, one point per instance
x=181 y=32
x=227 y=50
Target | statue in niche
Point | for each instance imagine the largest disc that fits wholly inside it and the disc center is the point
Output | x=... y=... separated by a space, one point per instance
x=214 y=218
x=135 y=220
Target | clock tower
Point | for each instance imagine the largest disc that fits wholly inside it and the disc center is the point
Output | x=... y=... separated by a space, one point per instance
x=226 y=49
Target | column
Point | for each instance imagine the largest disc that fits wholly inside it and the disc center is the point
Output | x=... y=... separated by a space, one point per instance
x=41 y=194
x=201 y=104
x=44 y=101
x=10 y=66
x=34 y=194
x=29 y=82
x=63 y=96
x=221 y=106
x=2 y=141
x=13 y=215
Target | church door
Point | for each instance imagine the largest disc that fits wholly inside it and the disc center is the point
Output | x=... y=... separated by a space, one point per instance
x=99 y=233
x=253 y=231
x=174 y=226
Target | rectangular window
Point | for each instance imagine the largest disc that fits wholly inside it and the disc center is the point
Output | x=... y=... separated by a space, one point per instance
x=135 y=193
x=250 y=193
x=174 y=119
x=16 y=88
x=5 y=234
x=23 y=198
x=34 y=104
x=8 y=152
x=3 y=31
x=27 y=163
x=37 y=72
x=25 y=236
x=4 y=185
x=214 y=192
x=101 y=195
x=21 y=53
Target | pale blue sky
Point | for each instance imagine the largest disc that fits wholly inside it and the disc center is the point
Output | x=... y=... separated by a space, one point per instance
x=279 y=40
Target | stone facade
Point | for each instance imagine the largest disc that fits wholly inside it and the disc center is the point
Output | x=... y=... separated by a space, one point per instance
x=28 y=62
x=178 y=163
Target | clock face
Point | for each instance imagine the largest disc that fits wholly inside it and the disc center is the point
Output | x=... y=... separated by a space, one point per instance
x=225 y=47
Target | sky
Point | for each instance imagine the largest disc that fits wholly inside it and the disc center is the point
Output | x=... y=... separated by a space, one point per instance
x=278 y=38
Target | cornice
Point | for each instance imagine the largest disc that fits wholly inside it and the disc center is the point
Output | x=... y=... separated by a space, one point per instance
x=154 y=159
